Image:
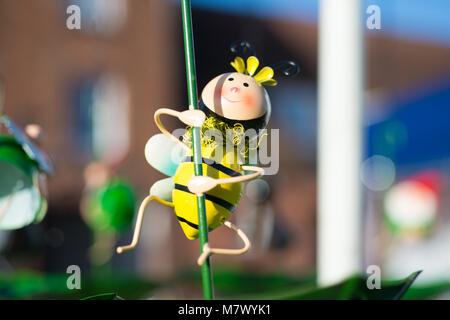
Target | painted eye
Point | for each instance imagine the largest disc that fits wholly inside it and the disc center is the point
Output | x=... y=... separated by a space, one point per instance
x=230 y=79
x=245 y=84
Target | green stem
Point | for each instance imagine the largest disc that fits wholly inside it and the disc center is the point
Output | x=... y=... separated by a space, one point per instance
x=196 y=142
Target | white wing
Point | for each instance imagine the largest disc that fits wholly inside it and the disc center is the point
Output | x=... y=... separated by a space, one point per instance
x=164 y=154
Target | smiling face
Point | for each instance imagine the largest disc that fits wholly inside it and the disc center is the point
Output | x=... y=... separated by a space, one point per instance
x=236 y=96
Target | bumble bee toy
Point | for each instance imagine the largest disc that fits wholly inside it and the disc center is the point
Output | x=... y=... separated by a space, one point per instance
x=232 y=104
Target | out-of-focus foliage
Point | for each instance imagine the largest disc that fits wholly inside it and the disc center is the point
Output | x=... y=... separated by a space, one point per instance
x=29 y=285
x=229 y=284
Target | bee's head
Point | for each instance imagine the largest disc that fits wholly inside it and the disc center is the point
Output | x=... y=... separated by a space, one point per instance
x=239 y=97
x=236 y=96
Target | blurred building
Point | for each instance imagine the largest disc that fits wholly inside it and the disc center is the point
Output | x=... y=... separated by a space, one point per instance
x=55 y=76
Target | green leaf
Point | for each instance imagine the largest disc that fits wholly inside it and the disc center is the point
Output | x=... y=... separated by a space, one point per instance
x=104 y=296
x=427 y=291
x=393 y=290
x=353 y=288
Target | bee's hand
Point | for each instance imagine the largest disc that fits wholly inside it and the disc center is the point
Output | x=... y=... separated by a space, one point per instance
x=201 y=184
x=193 y=118
x=205 y=254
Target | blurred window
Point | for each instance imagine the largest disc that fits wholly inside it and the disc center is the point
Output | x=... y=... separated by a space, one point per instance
x=101 y=118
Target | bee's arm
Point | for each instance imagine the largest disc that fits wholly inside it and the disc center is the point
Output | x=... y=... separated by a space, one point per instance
x=201 y=184
x=193 y=118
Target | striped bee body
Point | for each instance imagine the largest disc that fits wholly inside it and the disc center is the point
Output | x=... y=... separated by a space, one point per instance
x=219 y=201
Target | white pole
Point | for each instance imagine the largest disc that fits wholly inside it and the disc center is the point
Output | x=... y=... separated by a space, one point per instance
x=339 y=151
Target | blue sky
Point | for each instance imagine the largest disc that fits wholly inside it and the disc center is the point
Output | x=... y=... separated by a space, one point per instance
x=421 y=20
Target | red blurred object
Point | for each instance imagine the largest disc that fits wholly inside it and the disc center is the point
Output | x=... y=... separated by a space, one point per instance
x=433 y=179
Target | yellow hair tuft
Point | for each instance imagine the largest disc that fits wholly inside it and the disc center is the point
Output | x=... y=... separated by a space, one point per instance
x=238 y=64
x=252 y=65
x=263 y=77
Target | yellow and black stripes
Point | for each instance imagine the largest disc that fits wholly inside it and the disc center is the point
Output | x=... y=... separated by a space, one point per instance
x=191 y=224
x=215 y=165
x=210 y=197
x=220 y=201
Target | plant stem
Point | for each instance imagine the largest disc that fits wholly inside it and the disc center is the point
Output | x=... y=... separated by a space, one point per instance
x=196 y=142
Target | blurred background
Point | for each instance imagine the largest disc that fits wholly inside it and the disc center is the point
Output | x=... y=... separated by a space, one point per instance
x=94 y=92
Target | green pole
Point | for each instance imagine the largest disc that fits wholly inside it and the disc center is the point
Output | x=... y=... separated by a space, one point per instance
x=196 y=142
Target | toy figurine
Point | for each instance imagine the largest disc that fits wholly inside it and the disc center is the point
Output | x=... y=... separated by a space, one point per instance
x=231 y=104
x=23 y=170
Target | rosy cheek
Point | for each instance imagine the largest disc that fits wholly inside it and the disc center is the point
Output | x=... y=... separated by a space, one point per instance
x=249 y=100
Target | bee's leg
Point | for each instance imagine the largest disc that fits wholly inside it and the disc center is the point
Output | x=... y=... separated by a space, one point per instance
x=207 y=251
x=137 y=228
